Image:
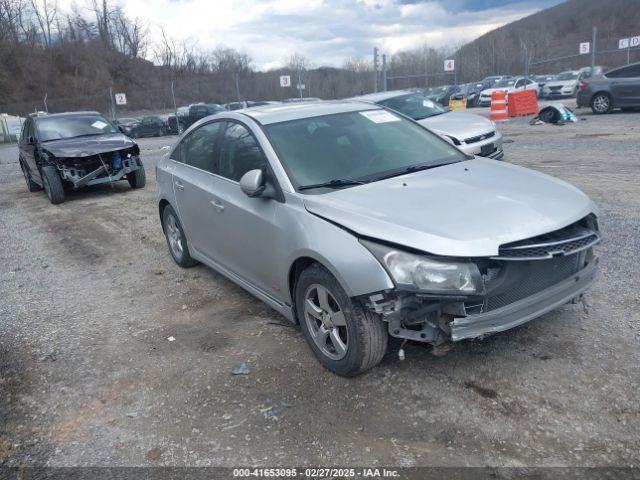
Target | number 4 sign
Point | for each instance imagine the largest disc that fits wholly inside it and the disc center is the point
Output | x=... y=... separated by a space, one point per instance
x=449 y=65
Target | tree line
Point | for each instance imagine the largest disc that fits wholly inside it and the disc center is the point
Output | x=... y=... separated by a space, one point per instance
x=70 y=60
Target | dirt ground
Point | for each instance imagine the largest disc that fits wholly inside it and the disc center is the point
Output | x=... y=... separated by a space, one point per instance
x=89 y=297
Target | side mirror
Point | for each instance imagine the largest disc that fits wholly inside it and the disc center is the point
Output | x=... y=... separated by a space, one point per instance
x=252 y=183
x=122 y=130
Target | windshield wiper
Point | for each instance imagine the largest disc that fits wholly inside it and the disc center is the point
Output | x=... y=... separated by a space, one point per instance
x=411 y=169
x=335 y=183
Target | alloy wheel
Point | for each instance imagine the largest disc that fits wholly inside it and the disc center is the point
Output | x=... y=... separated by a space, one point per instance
x=326 y=322
x=601 y=103
x=174 y=236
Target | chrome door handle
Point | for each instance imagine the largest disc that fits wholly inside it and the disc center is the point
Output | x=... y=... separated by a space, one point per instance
x=217 y=205
x=178 y=185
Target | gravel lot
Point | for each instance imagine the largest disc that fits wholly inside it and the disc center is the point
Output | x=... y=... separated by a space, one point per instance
x=89 y=296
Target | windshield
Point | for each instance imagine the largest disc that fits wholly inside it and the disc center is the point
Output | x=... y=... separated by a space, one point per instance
x=568 y=76
x=361 y=146
x=504 y=83
x=55 y=128
x=414 y=105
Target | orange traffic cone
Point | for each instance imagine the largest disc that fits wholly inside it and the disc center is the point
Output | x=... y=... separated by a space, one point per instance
x=498 y=106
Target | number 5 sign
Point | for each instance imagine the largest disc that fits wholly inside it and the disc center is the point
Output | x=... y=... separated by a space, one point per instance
x=449 y=65
x=121 y=99
x=584 y=48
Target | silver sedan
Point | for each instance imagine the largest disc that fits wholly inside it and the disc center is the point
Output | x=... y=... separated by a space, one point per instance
x=471 y=133
x=360 y=224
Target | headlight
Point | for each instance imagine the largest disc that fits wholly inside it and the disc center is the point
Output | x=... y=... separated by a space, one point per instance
x=411 y=271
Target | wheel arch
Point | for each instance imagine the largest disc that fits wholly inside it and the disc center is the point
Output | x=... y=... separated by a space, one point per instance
x=162 y=204
x=351 y=281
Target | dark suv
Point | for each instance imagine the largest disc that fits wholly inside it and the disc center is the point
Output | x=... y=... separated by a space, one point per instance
x=618 y=88
x=72 y=150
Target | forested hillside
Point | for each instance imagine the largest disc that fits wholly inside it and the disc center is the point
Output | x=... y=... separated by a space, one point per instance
x=71 y=61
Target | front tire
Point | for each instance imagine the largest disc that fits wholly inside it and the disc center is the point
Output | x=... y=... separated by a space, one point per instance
x=344 y=337
x=176 y=239
x=138 y=178
x=601 y=103
x=52 y=184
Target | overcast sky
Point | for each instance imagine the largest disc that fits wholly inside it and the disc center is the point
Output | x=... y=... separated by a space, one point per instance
x=327 y=31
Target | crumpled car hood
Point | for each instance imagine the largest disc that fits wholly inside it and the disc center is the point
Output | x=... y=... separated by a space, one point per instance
x=458 y=124
x=466 y=209
x=87 y=146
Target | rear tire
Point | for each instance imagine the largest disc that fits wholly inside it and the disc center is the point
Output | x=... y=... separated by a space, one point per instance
x=345 y=338
x=31 y=185
x=137 y=179
x=52 y=184
x=601 y=103
x=176 y=239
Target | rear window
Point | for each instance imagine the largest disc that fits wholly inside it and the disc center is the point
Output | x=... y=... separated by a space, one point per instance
x=631 y=71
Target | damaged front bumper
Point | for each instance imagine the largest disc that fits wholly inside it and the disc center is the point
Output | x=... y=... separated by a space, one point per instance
x=524 y=310
x=82 y=174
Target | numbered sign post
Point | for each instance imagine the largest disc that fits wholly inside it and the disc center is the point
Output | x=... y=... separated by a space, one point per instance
x=285 y=80
x=449 y=65
x=634 y=42
x=585 y=47
x=623 y=43
x=121 y=98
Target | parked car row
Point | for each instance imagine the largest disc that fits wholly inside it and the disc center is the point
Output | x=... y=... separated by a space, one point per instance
x=564 y=84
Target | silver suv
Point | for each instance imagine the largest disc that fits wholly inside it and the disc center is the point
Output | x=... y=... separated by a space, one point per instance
x=360 y=224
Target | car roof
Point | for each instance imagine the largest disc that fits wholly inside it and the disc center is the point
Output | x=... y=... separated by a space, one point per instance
x=64 y=114
x=381 y=96
x=284 y=112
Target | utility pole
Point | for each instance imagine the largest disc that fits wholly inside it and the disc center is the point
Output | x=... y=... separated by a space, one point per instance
x=594 y=36
x=526 y=60
x=46 y=108
x=384 y=72
x=426 y=71
x=113 y=106
x=375 y=69
x=237 y=88
x=175 y=109
x=300 y=81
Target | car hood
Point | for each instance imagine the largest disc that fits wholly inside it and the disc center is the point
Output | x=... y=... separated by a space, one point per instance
x=87 y=146
x=458 y=124
x=466 y=209
x=560 y=83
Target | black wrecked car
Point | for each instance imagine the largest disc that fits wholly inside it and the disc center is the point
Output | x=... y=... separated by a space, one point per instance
x=65 y=151
x=151 y=126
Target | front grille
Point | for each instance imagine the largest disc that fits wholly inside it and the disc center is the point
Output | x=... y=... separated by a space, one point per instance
x=519 y=280
x=479 y=138
x=555 y=89
x=566 y=241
